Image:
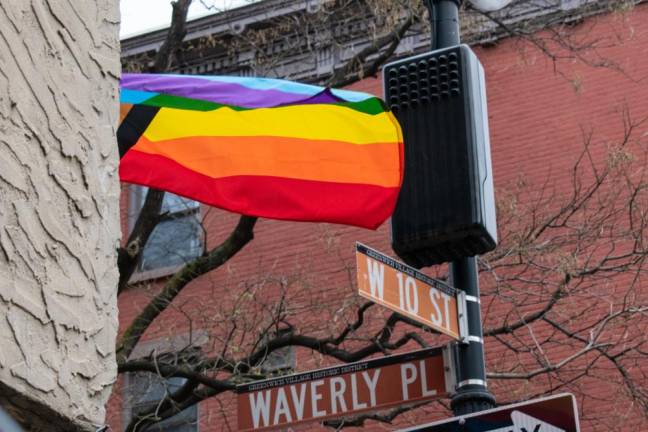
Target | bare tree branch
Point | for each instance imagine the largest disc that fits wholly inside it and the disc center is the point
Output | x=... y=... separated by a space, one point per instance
x=357 y=68
x=241 y=235
x=149 y=215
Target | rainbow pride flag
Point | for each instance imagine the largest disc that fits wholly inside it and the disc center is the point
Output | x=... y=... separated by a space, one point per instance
x=262 y=147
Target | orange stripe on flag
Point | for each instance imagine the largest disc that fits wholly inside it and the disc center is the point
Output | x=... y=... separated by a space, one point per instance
x=296 y=158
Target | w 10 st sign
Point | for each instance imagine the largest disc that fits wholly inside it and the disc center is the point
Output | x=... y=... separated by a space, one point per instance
x=407 y=291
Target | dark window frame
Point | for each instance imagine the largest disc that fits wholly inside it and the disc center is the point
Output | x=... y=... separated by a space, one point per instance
x=188 y=419
x=281 y=361
x=192 y=214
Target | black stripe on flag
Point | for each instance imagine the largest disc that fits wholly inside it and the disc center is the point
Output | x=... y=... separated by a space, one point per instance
x=133 y=126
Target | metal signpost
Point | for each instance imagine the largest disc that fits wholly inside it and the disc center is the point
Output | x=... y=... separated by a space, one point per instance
x=551 y=414
x=440 y=99
x=407 y=291
x=445 y=210
x=345 y=390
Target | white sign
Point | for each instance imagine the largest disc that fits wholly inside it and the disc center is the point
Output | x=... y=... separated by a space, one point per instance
x=551 y=414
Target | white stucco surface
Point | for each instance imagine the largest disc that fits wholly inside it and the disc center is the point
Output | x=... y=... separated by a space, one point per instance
x=59 y=224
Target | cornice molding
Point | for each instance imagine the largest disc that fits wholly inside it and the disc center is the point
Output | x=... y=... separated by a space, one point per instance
x=314 y=64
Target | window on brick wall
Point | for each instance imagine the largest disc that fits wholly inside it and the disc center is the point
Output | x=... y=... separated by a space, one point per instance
x=570 y=4
x=146 y=390
x=174 y=241
x=281 y=361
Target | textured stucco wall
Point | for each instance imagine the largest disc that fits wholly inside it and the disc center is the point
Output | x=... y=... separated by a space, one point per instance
x=59 y=224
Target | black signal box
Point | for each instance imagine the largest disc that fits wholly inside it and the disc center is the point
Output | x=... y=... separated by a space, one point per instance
x=446 y=207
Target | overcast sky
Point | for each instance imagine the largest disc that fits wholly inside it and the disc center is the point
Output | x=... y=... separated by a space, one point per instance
x=140 y=16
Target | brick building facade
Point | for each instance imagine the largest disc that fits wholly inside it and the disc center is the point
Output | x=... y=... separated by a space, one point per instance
x=543 y=113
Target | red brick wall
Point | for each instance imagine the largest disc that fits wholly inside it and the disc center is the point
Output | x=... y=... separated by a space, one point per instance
x=539 y=112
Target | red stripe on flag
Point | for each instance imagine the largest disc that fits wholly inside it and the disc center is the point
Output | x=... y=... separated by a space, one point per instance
x=366 y=206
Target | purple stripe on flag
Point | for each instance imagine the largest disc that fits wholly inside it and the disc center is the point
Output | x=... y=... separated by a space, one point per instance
x=221 y=92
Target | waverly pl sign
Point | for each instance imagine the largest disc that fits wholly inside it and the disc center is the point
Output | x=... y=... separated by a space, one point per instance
x=409 y=292
x=345 y=390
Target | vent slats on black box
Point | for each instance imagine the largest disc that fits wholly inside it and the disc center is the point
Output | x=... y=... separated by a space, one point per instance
x=439 y=216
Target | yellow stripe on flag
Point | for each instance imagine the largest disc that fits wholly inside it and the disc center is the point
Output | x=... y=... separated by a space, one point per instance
x=317 y=121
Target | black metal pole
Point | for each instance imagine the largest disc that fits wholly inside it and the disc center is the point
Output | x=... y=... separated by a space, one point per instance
x=472 y=394
x=444 y=18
